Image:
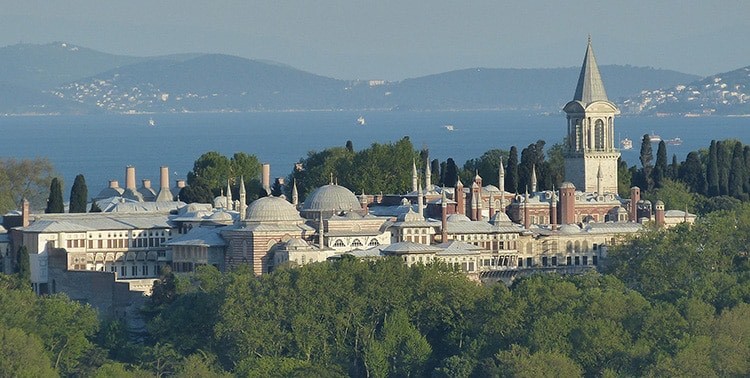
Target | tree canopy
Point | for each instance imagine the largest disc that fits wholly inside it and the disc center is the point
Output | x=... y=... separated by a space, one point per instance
x=27 y=178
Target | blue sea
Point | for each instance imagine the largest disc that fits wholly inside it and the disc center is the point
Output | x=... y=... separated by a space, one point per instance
x=101 y=146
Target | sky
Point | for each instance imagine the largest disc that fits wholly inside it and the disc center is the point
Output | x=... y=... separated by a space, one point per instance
x=394 y=40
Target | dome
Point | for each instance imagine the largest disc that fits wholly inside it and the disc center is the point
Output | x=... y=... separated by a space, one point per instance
x=272 y=209
x=220 y=216
x=410 y=216
x=567 y=185
x=569 y=229
x=220 y=202
x=331 y=198
x=500 y=218
x=297 y=243
x=458 y=218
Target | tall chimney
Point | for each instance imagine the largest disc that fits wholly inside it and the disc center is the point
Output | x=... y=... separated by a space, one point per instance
x=444 y=219
x=130 y=177
x=567 y=203
x=553 y=211
x=180 y=183
x=266 y=177
x=164 y=177
x=526 y=217
x=146 y=183
x=25 y=213
x=659 y=213
x=458 y=193
x=635 y=196
x=114 y=184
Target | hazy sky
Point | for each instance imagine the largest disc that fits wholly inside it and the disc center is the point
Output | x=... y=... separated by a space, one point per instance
x=398 y=39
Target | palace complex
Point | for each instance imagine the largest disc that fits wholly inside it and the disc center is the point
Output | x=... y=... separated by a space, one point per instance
x=110 y=259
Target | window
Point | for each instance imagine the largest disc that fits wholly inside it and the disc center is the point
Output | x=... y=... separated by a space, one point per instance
x=122 y=271
x=144 y=270
x=585 y=260
x=529 y=261
x=599 y=134
x=338 y=243
x=356 y=243
x=374 y=242
x=594 y=260
x=578 y=260
x=568 y=261
x=544 y=260
x=554 y=260
x=134 y=270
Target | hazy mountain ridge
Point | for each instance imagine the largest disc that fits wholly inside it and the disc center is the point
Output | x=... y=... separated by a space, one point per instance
x=722 y=94
x=216 y=82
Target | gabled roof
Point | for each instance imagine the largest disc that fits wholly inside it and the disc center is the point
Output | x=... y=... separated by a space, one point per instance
x=590 y=87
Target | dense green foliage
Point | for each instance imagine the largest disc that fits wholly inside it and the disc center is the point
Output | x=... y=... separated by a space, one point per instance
x=55 y=201
x=380 y=168
x=79 y=195
x=28 y=178
x=211 y=172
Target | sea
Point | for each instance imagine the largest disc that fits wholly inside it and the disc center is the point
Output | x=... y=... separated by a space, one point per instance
x=101 y=146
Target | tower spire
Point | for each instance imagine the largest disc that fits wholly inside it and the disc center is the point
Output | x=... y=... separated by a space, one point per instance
x=590 y=87
x=533 y=179
x=414 y=177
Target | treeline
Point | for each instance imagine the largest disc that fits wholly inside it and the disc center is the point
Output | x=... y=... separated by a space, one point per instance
x=669 y=303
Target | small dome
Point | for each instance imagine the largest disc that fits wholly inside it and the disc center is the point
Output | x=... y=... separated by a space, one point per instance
x=410 y=216
x=458 y=218
x=570 y=229
x=567 y=185
x=220 y=216
x=296 y=243
x=220 y=202
x=272 y=209
x=331 y=198
x=500 y=218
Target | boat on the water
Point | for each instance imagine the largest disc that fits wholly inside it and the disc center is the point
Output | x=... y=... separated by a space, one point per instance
x=676 y=141
x=361 y=121
x=626 y=144
x=151 y=122
x=653 y=137
x=449 y=127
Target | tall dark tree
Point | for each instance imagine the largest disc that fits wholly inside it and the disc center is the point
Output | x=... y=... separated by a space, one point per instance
x=674 y=168
x=443 y=166
x=691 y=173
x=437 y=174
x=95 y=207
x=723 y=162
x=451 y=173
x=23 y=269
x=746 y=156
x=712 y=171
x=624 y=178
x=511 y=171
x=737 y=172
x=196 y=193
x=660 y=168
x=646 y=157
x=55 y=200
x=349 y=146
x=79 y=195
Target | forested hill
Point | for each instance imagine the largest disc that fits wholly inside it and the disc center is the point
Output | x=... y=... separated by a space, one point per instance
x=84 y=80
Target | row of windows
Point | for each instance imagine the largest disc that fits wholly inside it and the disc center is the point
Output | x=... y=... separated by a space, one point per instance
x=553 y=261
x=117 y=243
x=355 y=243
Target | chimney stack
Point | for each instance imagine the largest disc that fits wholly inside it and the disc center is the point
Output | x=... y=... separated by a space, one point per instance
x=266 y=177
x=567 y=203
x=635 y=197
x=114 y=184
x=165 y=194
x=180 y=183
x=146 y=183
x=659 y=214
x=444 y=219
x=130 y=177
x=25 y=213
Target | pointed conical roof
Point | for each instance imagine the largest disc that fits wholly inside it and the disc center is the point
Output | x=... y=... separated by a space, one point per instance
x=590 y=87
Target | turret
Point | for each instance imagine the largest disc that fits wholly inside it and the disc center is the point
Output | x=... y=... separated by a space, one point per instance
x=414 y=177
x=659 y=213
x=295 y=194
x=635 y=197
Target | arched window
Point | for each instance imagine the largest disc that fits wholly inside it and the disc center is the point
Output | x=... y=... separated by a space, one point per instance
x=339 y=243
x=374 y=242
x=599 y=134
x=356 y=243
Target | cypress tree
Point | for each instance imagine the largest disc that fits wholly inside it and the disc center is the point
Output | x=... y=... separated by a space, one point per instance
x=511 y=171
x=691 y=173
x=79 y=193
x=674 y=168
x=451 y=173
x=660 y=168
x=746 y=155
x=723 y=162
x=646 y=158
x=95 y=207
x=712 y=171
x=736 y=175
x=23 y=269
x=436 y=171
x=55 y=200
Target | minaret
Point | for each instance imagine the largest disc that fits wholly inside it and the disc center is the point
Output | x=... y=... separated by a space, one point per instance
x=420 y=201
x=590 y=132
x=599 y=180
x=295 y=195
x=491 y=205
x=243 y=199
x=501 y=184
x=459 y=197
x=553 y=210
x=229 y=201
x=427 y=174
x=444 y=218
x=533 y=179
x=414 y=178
x=526 y=218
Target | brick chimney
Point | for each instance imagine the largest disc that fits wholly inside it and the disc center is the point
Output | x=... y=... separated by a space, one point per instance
x=635 y=197
x=567 y=203
x=130 y=177
x=659 y=213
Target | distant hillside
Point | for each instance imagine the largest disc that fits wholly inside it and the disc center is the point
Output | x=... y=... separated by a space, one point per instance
x=64 y=78
x=723 y=94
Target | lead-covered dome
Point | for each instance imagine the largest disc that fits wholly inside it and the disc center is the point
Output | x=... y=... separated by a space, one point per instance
x=272 y=209
x=329 y=198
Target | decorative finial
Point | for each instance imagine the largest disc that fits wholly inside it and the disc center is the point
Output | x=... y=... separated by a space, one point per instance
x=589 y=38
x=331 y=174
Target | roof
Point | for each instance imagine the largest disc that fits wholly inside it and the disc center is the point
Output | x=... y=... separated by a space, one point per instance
x=405 y=247
x=331 y=198
x=590 y=87
x=272 y=209
x=455 y=247
x=96 y=221
x=200 y=236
